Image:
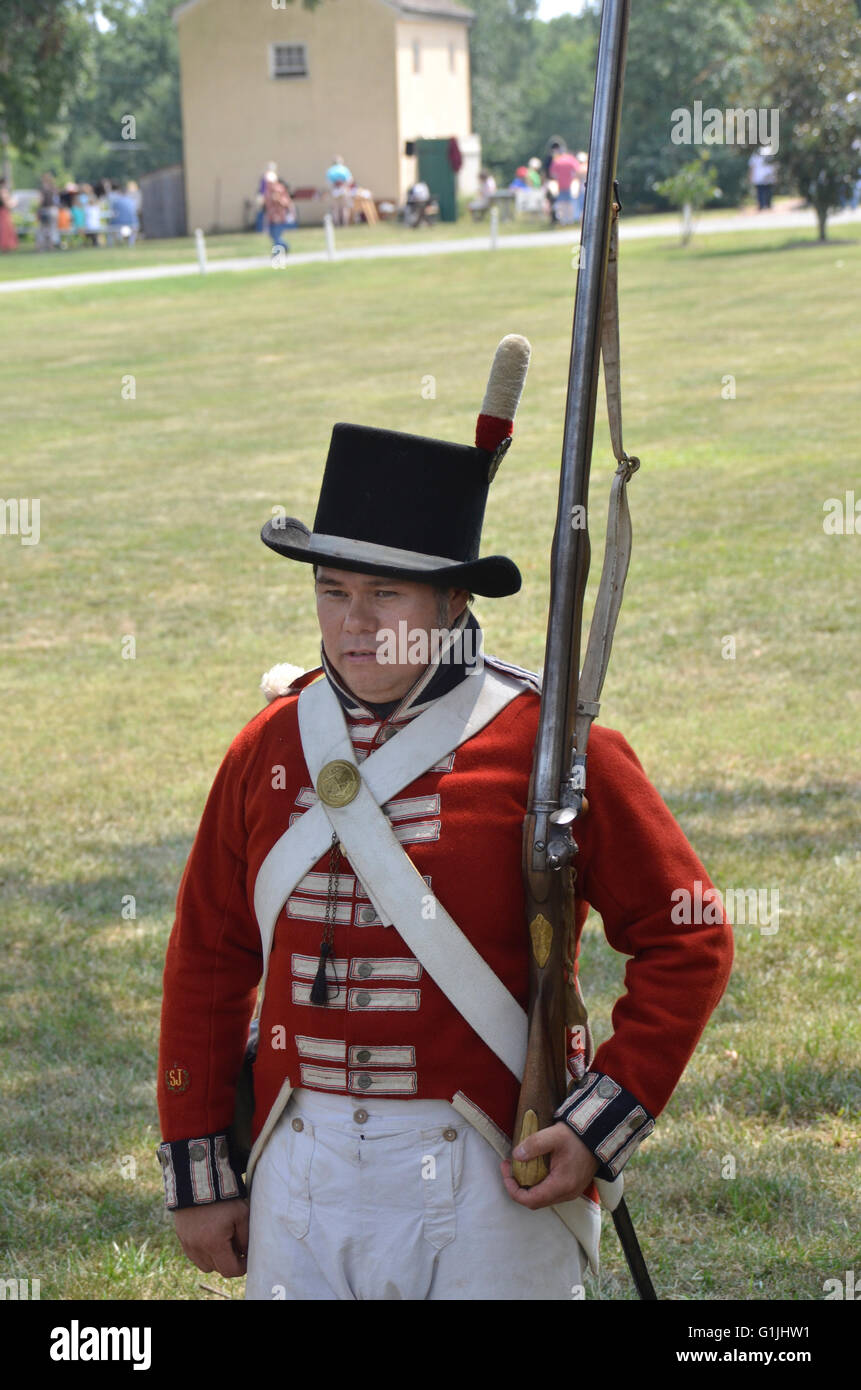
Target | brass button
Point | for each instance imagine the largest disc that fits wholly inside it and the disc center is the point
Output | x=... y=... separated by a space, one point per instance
x=338 y=783
x=197 y=1152
x=298 y=1125
x=365 y=969
x=605 y=1088
x=363 y=1081
x=366 y=914
x=360 y=1116
x=387 y=733
x=449 y=1134
x=363 y=1055
x=363 y=998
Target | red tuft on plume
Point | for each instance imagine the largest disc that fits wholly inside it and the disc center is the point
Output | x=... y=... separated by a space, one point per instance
x=504 y=389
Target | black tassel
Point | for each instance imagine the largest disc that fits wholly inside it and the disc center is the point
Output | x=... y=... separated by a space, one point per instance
x=320 y=987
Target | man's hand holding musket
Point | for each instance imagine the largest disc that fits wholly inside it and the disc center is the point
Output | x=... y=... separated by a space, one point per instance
x=572 y=1168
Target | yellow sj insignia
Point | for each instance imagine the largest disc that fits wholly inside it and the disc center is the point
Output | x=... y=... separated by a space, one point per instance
x=338 y=783
x=177 y=1078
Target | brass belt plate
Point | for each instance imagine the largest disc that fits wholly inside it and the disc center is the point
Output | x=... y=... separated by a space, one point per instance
x=338 y=783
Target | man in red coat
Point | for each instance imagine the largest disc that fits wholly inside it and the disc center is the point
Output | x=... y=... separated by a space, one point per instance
x=374 y=883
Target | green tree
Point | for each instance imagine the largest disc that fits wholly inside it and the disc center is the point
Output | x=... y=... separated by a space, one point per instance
x=557 y=91
x=500 y=45
x=41 y=47
x=809 y=52
x=126 y=117
x=679 y=53
x=690 y=189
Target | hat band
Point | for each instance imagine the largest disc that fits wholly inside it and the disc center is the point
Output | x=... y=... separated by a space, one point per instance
x=342 y=548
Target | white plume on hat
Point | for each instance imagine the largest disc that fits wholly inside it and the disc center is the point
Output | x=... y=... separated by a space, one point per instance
x=278 y=680
x=502 y=395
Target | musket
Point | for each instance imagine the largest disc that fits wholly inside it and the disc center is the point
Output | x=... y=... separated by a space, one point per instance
x=557 y=1014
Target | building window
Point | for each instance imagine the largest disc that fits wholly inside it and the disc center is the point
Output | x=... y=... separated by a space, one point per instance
x=288 y=59
x=417 y=56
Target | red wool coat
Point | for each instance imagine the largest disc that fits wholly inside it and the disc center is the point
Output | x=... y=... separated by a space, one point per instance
x=388 y=1029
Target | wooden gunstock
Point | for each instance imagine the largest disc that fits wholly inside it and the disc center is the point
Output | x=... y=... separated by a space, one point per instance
x=555 y=1005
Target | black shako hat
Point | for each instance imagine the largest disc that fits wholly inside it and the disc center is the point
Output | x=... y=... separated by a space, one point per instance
x=411 y=507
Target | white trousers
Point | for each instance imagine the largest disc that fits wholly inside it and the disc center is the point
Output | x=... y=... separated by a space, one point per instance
x=367 y=1198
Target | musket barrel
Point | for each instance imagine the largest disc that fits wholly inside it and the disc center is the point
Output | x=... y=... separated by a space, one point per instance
x=555 y=1003
x=570 y=552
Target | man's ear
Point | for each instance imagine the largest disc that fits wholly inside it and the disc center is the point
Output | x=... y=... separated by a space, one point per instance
x=458 y=599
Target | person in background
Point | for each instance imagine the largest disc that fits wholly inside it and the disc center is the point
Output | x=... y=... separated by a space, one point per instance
x=580 y=195
x=279 y=209
x=46 y=214
x=529 y=194
x=551 y=188
x=123 y=221
x=565 y=169
x=260 y=218
x=64 y=218
x=92 y=216
x=8 y=235
x=763 y=176
x=555 y=146
x=339 y=179
x=132 y=190
x=419 y=199
x=79 y=216
x=486 y=189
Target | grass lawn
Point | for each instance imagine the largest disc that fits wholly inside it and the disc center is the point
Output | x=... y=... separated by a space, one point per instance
x=739 y=366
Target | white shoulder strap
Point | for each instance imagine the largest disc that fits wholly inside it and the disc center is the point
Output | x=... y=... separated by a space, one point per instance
x=453 y=719
x=401 y=895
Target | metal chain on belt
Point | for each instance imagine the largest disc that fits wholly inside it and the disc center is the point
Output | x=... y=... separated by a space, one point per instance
x=320 y=987
x=332 y=891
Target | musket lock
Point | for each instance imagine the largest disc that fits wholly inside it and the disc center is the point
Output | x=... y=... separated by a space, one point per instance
x=562 y=846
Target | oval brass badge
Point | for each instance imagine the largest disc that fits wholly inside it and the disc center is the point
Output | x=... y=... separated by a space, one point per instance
x=338 y=783
x=542 y=939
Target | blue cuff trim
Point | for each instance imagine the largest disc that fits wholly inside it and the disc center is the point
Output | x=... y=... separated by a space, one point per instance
x=609 y=1120
x=198 y=1171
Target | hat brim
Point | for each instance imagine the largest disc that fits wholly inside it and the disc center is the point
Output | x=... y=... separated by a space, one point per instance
x=494 y=576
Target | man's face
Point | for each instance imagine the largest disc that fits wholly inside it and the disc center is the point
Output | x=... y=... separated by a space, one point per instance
x=353 y=609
